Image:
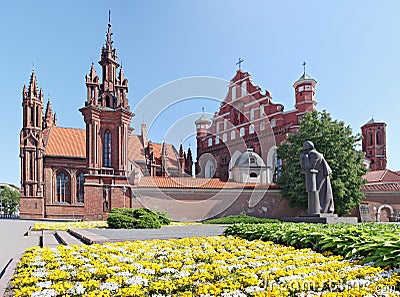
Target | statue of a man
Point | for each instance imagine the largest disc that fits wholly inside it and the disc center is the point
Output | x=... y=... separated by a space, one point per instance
x=318 y=183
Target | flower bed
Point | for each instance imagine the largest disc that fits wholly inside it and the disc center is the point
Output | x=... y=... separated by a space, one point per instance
x=201 y=266
x=68 y=225
x=378 y=243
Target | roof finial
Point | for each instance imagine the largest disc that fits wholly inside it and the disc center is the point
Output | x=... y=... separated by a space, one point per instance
x=240 y=62
x=304 y=67
x=33 y=67
x=109 y=16
x=202 y=110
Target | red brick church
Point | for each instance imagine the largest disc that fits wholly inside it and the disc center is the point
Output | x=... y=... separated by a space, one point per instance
x=71 y=173
x=75 y=173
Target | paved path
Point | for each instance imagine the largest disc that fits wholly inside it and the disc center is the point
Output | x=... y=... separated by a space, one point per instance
x=162 y=233
x=12 y=245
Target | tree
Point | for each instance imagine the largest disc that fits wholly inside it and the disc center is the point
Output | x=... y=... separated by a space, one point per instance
x=338 y=145
x=9 y=199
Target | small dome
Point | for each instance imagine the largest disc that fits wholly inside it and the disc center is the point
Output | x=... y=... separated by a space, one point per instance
x=202 y=119
x=304 y=78
x=249 y=159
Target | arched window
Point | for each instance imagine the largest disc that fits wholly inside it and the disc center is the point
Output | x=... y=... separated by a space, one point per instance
x=251 y=129
x=234 y=92
x=210 y=142
x=224 y=137
x=253 y=174
x=225 y=124
x=252 y=112
x=217 y=140
x=107 y=149
x=217 y=127
x=244 y=88
x=241 y=131
x=233 y=135
x=62 y=187
x=80 y=179
x=273 y=123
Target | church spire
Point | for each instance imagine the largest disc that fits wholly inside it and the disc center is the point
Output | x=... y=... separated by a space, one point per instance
x=32 y=88
x=109 y=34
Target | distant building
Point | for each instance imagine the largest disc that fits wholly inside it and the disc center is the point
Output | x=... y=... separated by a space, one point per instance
x=374 y=144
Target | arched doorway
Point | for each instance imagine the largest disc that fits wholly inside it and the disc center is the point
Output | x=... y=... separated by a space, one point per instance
x=380 y=217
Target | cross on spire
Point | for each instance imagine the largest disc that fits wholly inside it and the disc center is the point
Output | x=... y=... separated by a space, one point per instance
x=109 y=16
x=202 y=110
x=240 y=62
x=304 y=66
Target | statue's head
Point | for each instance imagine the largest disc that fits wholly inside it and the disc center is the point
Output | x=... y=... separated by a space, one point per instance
x=308 y=146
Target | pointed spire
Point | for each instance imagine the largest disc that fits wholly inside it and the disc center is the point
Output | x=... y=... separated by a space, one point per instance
x=121 y=76
x=48 y=115
x=24 y=92
x=55 y=119
x=33 y=89
x=92 y=73
x=109 y=41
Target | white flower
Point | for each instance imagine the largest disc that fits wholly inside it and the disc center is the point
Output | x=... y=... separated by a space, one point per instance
x=137 y=280
x=146 y=271
x=40 y=273
x=253 y=289
x=167 y=270
x=236 y=293
x=45 y=285
x=110 y=286
x=124 y=274
x=45 y=293
x=78 y=289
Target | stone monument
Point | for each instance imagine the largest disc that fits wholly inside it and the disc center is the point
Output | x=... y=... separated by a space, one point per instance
x=318 y=187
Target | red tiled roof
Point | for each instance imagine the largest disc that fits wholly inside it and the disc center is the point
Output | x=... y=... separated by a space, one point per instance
x=135 y=148
x=65 y=142
x=381 y=187
x=192 y=183
x=171 y=154
x=382 y=176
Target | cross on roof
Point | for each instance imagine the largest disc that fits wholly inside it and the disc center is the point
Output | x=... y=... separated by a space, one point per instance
x=304 y=66
x=240 y=62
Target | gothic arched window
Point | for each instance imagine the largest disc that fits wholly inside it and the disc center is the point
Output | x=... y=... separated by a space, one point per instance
x=80 y=179
x=107 y=149
x=62 y=187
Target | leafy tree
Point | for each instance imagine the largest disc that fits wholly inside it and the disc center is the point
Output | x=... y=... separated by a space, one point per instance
x=9 y=199
x=338 y=145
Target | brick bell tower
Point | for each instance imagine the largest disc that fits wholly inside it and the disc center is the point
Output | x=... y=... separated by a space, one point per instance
x=31 y=152
x=374 y=143
x=304 y=89
x=107 y=117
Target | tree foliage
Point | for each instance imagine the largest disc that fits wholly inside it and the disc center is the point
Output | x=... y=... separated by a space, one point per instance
x=9 y=200
x=336 y=142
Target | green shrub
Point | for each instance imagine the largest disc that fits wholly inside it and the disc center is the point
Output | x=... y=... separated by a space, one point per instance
x=378 y=243
x=240 y=218
x=137 y=218
x=117 y=220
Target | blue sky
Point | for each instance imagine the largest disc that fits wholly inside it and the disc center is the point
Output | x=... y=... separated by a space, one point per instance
x=351 y=48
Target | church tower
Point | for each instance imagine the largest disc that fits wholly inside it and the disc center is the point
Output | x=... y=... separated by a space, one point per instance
x=31 y=151
x=304 y=89
x=374 y=143
x=107 y=117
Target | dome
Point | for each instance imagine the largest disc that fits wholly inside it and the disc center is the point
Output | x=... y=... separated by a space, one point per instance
x=249 y=159
x=304 y=78
x=202 y=119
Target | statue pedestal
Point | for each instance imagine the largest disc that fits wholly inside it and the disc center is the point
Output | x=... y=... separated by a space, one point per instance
x=322 y=218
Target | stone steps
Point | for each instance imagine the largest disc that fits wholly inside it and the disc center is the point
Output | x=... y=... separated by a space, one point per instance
x=55 y=238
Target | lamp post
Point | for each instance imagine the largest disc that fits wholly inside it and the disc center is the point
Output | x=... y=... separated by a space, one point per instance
x=124 y=191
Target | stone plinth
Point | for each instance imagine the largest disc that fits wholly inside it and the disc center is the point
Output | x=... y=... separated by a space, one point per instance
x=323 y=218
